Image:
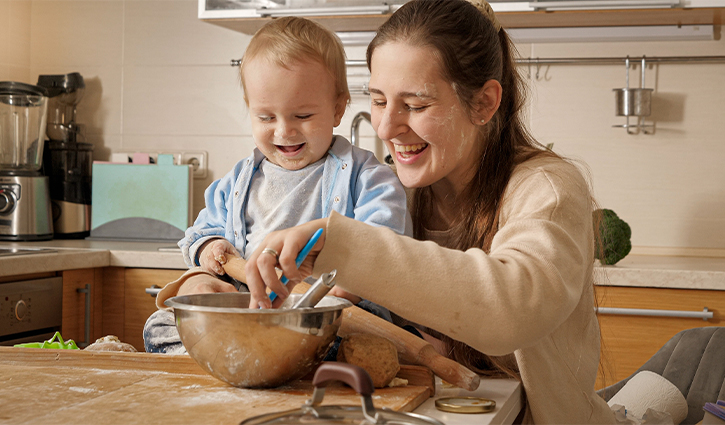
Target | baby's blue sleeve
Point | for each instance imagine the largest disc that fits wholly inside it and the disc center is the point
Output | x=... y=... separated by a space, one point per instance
x=380 y=198
x=214 y=220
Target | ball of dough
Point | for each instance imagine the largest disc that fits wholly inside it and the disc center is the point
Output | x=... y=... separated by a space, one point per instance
x=375 y=354
x=111 y=343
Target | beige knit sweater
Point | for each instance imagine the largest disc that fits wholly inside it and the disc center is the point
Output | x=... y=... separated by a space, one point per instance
x=532 y=295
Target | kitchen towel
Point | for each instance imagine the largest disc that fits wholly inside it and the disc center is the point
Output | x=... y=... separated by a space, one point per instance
x=648 y=390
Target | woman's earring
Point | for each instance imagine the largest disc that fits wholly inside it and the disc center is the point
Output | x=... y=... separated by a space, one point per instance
x=483 y=121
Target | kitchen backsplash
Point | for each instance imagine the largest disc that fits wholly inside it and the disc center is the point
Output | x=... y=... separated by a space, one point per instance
x=158 y=78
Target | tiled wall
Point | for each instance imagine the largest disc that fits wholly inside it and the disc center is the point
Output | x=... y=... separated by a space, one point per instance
x=158 y=78
x=14 y=40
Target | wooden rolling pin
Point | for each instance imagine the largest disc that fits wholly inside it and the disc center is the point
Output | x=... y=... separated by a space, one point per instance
x=412 y=350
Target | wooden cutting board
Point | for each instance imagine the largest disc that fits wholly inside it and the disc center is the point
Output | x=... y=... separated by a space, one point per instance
x=70 y=386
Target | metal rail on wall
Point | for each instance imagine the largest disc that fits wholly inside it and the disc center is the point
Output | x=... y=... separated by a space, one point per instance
x=598 y=61
x=631 y=102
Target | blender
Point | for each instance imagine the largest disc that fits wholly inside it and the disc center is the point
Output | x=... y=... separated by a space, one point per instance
x=25 y=212
x=67 y=159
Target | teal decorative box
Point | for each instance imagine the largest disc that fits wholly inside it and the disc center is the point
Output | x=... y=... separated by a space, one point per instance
x=141 y=202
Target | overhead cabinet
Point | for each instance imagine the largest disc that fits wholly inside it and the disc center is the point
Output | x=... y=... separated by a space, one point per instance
x=248 y=16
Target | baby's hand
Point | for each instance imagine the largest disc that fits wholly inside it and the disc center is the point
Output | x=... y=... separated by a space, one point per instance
x=341 y=293
x=211 y=257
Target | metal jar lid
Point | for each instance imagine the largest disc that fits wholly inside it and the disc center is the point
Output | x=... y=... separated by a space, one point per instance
x=313 y=413
x=465 y=405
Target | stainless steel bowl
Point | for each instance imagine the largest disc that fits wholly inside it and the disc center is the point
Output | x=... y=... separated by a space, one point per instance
x=255 y=348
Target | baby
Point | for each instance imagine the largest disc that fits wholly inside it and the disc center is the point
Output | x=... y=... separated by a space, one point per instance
x=295 y=87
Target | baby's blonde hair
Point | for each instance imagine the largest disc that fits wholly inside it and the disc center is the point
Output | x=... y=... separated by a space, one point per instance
x=289 y=40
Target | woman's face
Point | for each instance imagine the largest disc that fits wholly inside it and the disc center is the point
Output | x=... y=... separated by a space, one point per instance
x=419 y=117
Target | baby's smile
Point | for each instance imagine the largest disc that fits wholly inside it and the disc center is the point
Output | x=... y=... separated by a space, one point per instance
x=290 y=149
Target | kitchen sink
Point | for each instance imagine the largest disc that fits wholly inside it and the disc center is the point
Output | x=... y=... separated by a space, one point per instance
x=8 y=252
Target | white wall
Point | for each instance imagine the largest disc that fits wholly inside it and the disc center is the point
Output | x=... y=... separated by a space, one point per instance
x=158 y=78
x=669 y=186
x=14 y=40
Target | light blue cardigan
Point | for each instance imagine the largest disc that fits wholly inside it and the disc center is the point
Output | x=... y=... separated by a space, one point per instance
x=354 y=183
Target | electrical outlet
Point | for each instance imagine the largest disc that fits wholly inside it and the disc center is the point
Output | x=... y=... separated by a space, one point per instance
x=197 y=160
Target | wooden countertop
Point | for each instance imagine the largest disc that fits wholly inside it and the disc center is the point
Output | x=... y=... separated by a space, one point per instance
x=634 y=270
x=73 y=386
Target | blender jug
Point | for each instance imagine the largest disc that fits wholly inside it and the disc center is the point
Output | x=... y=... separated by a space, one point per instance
x=22 y=127
x=24 y=196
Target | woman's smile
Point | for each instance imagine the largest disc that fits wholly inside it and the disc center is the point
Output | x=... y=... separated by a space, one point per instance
x=409 y=153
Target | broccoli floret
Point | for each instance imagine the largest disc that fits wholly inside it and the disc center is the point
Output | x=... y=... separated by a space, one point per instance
x=614 y=237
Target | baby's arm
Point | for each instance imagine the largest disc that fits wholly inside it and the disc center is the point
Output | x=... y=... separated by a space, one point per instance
x=380 y=201
x=380 y=198
x=213 y=222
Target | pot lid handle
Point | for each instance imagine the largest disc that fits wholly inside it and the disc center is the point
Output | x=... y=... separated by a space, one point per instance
x=352 y=375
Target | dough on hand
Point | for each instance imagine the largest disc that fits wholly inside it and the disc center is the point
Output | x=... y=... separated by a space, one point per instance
x=375 y=354
x=111 y=343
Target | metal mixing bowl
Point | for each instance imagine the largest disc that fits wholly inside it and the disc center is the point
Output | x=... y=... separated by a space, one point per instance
x=255 y=348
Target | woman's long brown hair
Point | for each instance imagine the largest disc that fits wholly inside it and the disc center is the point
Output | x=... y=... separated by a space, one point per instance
x=471 y=52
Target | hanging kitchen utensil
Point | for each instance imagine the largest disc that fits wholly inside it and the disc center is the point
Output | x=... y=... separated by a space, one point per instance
x=314 y=413
x=634 y=102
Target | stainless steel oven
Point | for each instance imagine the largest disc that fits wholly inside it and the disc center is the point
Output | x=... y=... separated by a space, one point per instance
x=30 y=310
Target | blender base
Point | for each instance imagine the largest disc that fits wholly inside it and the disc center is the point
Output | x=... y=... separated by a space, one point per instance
x=25 y=211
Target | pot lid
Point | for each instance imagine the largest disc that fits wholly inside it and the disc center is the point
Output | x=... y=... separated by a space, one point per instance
x=313 y=413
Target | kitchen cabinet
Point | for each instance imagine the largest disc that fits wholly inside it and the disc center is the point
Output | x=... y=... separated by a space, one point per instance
x=628 y=341
x=127 y=305
x=75 y=284
x=118 y=301
x=247 y=17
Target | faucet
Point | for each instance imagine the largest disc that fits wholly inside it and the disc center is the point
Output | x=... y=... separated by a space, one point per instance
x=355 y=128
x=355 y=136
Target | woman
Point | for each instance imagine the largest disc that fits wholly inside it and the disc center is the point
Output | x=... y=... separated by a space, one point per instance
x=501 y=265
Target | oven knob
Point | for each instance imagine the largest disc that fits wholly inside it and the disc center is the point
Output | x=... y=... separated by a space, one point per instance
x=21 y=309
x=7 y=201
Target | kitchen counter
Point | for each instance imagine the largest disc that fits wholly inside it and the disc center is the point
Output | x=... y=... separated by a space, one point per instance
x=665 y=272
x=634 y=270
x=81 y=254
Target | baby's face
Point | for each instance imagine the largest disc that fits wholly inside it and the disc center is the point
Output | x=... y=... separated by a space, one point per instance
x=293 y=111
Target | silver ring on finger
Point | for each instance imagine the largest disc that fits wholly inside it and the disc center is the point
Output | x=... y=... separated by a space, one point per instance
x=271 y=252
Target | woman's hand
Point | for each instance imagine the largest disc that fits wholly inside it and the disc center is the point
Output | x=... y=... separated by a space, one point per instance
x=260 y=268
x=211 y=257
x=204 y=284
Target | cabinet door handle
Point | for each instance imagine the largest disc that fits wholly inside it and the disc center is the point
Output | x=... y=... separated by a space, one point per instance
x=326 y=11
x=153 y=290
x=705 y=314
x=598 y=4
x=87 y=291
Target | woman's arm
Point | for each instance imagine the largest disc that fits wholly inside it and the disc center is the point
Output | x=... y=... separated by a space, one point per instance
x=528 y=285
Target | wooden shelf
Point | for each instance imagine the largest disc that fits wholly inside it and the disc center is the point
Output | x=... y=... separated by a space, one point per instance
x=569 y=18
